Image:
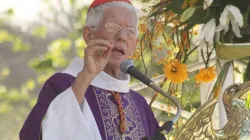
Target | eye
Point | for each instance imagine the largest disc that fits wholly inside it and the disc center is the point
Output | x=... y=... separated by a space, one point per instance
x=130 y=31
x=234 y=88
x=111 y=27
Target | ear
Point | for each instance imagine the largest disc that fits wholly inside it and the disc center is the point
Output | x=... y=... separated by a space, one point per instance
x=87 y=34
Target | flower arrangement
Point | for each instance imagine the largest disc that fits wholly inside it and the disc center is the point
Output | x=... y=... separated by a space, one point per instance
x=173 y=26
x=175 y=71
x=205 y=74
x=174 y=30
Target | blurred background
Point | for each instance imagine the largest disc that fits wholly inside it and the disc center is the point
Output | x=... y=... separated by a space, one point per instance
x=40 y=37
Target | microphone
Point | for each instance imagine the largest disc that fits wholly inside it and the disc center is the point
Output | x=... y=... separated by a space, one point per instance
x=127 y=67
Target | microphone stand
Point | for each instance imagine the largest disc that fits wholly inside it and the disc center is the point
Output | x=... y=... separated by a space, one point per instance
x=172 y=99
x=127 y=66
x=168 y=126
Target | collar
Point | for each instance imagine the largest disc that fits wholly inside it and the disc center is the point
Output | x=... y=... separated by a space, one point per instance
x=102 y=80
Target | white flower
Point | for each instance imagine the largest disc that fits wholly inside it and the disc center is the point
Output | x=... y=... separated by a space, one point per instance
x=230 y=14
x=207 y=3
x=207 y=33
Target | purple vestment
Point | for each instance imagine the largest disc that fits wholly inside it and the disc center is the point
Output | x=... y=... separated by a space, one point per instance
x=140 y=120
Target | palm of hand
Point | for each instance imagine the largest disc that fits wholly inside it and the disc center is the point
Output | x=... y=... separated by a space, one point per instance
x=97 y=56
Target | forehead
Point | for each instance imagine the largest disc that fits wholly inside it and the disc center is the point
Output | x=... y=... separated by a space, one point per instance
x=120 y=15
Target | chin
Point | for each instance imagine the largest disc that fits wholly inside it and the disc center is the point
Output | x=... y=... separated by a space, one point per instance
x=115 y=63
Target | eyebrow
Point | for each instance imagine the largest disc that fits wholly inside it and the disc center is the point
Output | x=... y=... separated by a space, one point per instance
x=120 y=24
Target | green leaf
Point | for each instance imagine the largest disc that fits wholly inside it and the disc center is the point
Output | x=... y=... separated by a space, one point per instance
x=178 y=94
x=40 y=31
x=73 y=35
x=62 y=62
x=193 y=109
x=30 y=84
x=248 y=101
x=20 y=46
x=3 y=89
x=5 y=72
x=187 y=14
x=60 y=45
x=80 y=52
x=42 y=78
x=5 y=36
x=32 y=102
x=10 y=12
x=24 y=89
x=5 y=107
x=14 y=95
x=41 y=64
x=80 y=43
x=236 y=69
x=72 y=2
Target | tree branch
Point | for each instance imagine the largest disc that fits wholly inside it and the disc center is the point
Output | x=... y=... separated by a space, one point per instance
x=54 y=22
x=69 y=17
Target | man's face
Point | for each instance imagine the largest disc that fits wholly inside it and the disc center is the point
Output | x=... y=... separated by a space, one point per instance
x=124 y=39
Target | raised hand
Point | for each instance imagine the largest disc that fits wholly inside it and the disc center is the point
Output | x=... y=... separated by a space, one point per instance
x=96 y=56
x=95 y=59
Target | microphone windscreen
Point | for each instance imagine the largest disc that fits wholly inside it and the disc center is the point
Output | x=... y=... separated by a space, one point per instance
x=125 y=65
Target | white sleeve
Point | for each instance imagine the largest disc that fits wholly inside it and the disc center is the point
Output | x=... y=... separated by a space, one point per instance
x=65 y=120
x=50 y=125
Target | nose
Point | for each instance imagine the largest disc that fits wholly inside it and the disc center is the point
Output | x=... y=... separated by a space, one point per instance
x=121 y=35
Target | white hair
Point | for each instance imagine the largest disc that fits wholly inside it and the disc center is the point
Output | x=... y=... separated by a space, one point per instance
x=95 y=15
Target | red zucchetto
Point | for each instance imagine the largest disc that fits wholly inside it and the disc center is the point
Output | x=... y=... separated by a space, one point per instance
x=99 y=2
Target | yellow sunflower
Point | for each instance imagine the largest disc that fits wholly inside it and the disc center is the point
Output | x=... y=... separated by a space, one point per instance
x=175 y=71
x=205 y=75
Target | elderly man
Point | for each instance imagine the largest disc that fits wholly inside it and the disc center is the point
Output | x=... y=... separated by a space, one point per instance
x=91 y=99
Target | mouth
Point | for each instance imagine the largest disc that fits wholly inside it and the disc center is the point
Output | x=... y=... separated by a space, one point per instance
x=118 y=51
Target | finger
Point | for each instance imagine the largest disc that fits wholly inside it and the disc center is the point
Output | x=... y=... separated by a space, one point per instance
x=101 y=42
x=90 y=43
x=95 y=50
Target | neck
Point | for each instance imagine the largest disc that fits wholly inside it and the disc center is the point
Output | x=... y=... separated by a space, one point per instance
x=115 y=73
